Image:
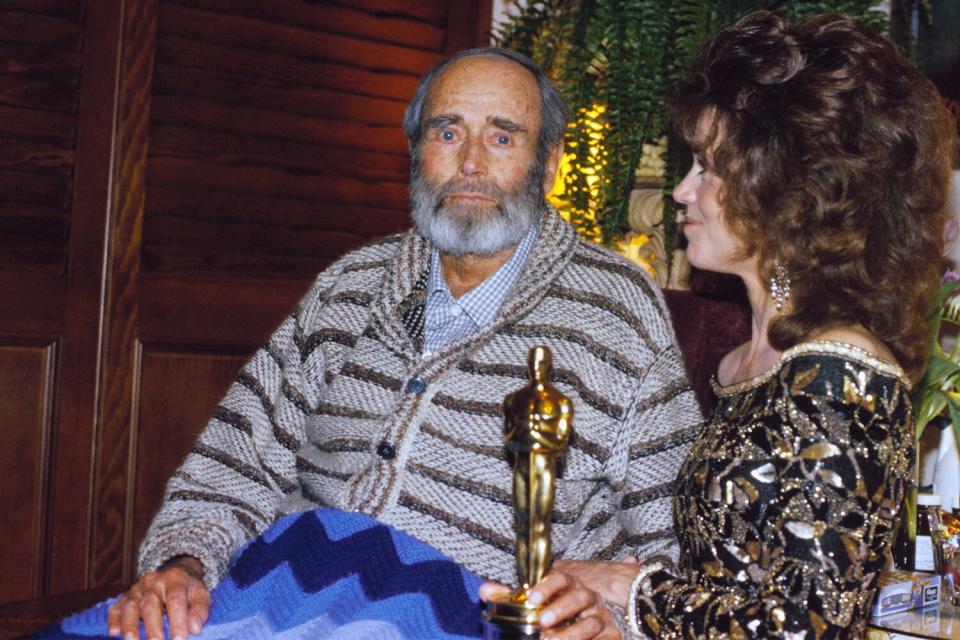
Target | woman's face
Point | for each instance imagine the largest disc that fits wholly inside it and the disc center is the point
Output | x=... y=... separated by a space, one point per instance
x=711 y=244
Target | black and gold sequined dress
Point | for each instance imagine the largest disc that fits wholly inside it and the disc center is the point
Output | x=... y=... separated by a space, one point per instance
x=787 y=504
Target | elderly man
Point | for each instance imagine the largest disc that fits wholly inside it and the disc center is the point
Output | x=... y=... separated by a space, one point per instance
x=382 y=392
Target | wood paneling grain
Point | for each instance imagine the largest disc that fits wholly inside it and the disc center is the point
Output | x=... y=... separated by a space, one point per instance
x=71 y=10
x=241 y=33
x=372 y=24
x=241 y=313
x=39 y=308
x=224 y=208
x=278 y=96
x=36 y=157
x=179 y=390
x=188 y=173
x=244 y=149
x=34 y=28
x=243 y=63
x=39 y=77
x=33 y=188
x=80 y=291
x=58 y=129
x=429 y=10
x=111 y=543
x=214 y=116
x=26 y=413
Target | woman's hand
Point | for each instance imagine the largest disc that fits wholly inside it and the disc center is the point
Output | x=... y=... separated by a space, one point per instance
x=612 y=580
x=573 y=611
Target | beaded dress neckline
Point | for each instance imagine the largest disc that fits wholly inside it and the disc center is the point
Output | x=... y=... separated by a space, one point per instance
x=819 y=347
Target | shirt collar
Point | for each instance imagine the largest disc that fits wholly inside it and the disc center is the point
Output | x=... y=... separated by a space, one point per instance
x=483 y=301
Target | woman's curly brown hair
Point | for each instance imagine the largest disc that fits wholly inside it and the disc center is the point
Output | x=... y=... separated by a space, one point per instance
x=835 y=153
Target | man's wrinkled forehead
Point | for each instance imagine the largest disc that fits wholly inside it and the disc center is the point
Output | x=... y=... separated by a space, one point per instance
x=504 y=90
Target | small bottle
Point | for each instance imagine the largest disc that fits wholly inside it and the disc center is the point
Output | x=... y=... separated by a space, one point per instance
x=923 y=558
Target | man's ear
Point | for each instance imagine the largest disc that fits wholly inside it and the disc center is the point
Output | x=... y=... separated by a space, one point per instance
x=553 y=163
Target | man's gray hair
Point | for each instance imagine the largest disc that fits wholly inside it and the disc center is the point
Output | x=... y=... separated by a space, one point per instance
x=553 y=110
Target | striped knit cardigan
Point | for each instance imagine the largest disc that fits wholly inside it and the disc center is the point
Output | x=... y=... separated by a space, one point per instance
x=340 y=409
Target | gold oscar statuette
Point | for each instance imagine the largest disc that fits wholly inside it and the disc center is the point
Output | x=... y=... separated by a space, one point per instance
x=537 y=422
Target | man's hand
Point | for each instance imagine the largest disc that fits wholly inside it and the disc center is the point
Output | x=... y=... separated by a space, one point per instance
x=573 y=612
x=176 y=588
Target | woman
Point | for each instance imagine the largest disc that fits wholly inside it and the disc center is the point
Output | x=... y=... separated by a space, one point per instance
x=821 y=164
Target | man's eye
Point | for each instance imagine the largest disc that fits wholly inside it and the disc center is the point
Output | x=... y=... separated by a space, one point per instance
x=503 y=139
x=447 y=135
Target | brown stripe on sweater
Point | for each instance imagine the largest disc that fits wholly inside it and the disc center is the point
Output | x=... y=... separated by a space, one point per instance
x=473 y=407
x=633 y=274
x=230 y=462
x=247 y=523
x=249 y=381
x=593 y=449
x=373 y=264
x=597 y=520
x=649 y=536
x=555 y=332
x=236 y=420
x=663 y=443
x=305 y=466
x=595 y=400
x=327 y=409
x=293 y=395
x=322 y=336
x=219 y=498
x=613 y=549
x=607 y=304
x=482 y=489
x=365 y=374
x=648 y=494
x=564 y=376
x=341 y=445
x=274 y=354
x=464 y=524
x=285 y=485
x=358 y=298
x=664 y=394
x=491 y=451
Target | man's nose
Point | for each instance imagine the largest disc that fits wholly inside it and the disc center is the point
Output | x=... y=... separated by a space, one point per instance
x=473 y=160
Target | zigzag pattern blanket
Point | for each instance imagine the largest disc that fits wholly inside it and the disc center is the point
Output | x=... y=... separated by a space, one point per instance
x=329 y=574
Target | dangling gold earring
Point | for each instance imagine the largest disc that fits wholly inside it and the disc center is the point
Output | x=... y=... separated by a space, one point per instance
x=780 y=285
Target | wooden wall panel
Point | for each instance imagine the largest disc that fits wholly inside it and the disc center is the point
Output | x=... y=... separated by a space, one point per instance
x=179 y=391
x=173 y=172
x=110 y=533
x=26 y=415
x=40 y=46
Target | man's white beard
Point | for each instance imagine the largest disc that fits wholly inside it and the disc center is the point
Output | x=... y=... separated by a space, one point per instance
x=462 y=228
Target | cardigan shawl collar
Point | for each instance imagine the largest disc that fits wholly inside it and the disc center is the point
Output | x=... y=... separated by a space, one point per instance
x=407 y=275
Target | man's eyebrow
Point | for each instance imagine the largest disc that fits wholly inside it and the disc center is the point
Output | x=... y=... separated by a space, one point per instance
x=506 y=125
x=435 y=122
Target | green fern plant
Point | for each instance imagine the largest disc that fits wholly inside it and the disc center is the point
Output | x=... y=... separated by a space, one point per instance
x=620 y=56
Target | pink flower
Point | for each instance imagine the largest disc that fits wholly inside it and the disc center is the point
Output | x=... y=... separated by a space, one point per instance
x=950 y=276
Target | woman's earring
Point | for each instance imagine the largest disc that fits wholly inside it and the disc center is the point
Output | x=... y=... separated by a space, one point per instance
x=780 y=285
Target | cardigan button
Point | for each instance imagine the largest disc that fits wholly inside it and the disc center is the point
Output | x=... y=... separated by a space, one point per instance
x=386 y=451
x=416 y=386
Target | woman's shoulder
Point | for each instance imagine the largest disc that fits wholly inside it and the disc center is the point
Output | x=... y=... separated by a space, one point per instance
x=858 y=337
x=828 y=364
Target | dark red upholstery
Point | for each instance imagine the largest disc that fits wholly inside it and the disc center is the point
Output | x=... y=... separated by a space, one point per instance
x=706 y=330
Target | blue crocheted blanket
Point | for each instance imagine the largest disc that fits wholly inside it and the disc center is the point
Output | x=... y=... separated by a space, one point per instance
x=329 y=574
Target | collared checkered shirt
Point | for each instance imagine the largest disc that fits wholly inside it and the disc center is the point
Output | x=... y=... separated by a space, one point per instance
x=447 y=319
